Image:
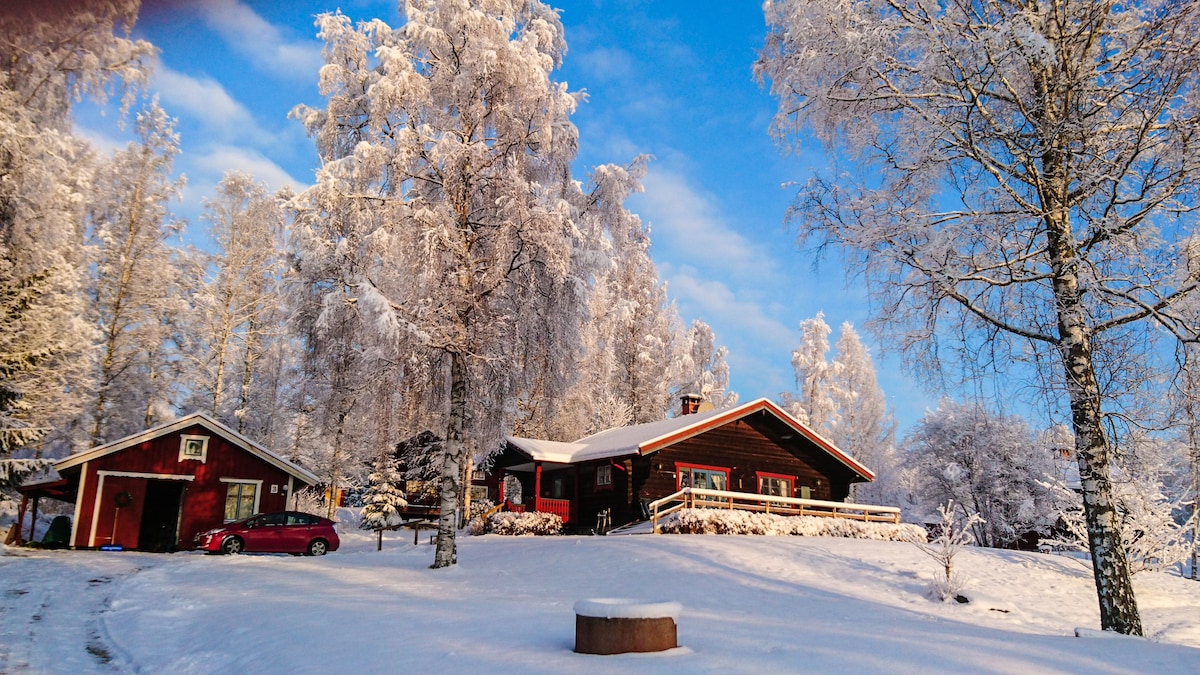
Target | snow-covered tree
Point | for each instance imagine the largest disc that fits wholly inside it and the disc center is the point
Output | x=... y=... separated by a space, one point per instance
x=134 y=290
x=1025 y=181
x=624 y=374
x=444 y=197
x=865 y=425
x=953 y=533
x=815 y=405
x=237 y=299
x=51 y=55
x=383 y=499
x=985 y=464
x=701 y=368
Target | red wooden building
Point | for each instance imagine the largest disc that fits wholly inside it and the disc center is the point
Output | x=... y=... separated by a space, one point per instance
x=156 y=489
x=754 y=448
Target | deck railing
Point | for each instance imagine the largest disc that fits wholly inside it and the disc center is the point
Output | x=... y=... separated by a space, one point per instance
x=693 y=498
x=559 y=507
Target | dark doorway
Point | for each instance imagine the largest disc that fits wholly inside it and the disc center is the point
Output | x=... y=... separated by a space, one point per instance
x=160 y=516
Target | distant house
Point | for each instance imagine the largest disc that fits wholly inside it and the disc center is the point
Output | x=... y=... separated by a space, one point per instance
x=155 y=490
x=751 y=448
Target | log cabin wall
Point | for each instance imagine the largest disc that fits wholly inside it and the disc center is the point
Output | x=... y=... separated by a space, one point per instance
x=743 y=450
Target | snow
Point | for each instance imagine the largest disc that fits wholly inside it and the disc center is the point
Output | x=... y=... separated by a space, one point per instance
x=748 y=603
x=627 y=608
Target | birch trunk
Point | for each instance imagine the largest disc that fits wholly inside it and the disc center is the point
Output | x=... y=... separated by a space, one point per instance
x=447 y=550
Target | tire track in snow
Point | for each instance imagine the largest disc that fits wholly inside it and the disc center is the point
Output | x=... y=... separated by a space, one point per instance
x=51 y=615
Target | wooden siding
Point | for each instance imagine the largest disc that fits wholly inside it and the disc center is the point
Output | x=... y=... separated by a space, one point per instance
x=741 y=449
x=203 y=504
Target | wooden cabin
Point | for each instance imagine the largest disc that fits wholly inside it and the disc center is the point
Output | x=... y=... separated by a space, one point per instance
x=754 y=448
x=155 y=490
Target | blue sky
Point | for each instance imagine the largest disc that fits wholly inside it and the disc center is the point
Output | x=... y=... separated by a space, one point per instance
x=664 y=78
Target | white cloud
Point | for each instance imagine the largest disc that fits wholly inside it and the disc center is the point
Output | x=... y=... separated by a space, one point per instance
x=227 y=158
x=205 y=101
x=689 y=227
x=260 y=41
x=101 y=141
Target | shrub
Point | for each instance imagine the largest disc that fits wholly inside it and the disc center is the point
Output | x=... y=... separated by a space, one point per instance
x=721 y=521
x=524 y=524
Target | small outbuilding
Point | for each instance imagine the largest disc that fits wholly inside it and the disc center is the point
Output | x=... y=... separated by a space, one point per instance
x=755 y=448
x=154 y=490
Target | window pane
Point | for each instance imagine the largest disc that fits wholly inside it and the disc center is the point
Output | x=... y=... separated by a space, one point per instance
x=231 y=501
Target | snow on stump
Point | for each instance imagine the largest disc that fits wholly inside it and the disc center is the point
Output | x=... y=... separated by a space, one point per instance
x=619 y=626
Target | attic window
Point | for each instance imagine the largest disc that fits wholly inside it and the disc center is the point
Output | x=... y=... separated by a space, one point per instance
x=193 y=447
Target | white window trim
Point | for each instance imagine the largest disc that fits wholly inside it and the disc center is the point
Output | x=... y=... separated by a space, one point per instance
x=183 y=441
x=607 y=470
x=257 y=493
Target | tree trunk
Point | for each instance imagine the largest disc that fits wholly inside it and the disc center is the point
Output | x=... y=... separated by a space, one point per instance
x=1114 y=584
x=447 y=552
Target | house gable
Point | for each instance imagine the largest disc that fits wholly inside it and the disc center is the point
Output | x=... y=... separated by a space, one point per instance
x=157 y=438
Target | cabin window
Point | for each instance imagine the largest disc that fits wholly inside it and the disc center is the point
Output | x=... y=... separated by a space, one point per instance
x=604 y=475
x=805 y=492
x=241 y=500
x=775 y=485
x=193 y=447
x=703 y=477
x=558 y=487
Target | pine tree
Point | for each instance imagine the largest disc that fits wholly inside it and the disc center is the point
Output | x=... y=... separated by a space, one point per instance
x=383 y=499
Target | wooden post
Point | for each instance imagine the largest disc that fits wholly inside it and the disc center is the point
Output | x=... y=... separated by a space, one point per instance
x=537 y=486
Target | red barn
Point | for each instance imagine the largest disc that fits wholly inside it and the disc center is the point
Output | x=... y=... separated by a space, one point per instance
x=155 y=490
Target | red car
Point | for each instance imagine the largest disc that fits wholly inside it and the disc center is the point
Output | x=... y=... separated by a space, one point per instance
x=283 y=532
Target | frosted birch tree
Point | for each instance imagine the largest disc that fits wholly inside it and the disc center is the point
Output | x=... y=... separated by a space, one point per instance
x=133 y=291
x=238 y=301
x=983 y=463
x=1026 y=184
x=815 y=405
x=631 y=330
x=701 y=368
x=865 y=425
x=444 y=195
x=51 y=55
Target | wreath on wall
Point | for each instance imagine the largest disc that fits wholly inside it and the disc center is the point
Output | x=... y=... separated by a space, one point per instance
x=122 y=499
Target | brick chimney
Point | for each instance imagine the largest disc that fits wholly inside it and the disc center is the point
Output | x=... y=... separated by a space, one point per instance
x=689 y=404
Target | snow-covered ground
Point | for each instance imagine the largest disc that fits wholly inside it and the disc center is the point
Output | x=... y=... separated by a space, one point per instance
x=750 y=604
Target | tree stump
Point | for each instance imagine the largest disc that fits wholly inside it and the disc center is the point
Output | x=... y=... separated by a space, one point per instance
x=620 y=625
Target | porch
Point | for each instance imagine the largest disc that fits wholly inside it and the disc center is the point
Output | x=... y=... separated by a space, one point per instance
x=546 y=487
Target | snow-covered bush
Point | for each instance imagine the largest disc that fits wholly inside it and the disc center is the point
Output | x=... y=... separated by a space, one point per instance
x=476 y=524
x=522 y=524
x=722 y=521
x=953 y=534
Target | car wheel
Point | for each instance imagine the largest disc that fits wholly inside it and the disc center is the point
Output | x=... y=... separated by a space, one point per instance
x=318 y=547
x=233 y=546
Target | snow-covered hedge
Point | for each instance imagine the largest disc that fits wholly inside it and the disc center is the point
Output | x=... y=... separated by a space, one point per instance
x=524 y=523
x=722 y=521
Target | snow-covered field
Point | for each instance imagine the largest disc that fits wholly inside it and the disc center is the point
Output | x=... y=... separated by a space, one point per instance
x=750 y=604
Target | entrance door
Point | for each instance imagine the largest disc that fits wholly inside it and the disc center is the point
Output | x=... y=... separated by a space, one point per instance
x=160 y=516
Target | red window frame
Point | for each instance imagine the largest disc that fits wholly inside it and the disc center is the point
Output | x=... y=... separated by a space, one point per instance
x=681 y=466
x=759 y=475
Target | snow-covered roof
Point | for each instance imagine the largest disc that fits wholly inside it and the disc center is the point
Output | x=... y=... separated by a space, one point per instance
x=654 y=436
x=183 y=423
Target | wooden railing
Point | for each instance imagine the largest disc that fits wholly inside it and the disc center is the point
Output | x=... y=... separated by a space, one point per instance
x=559 y=507
x=492 y=511
x=693 y=498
